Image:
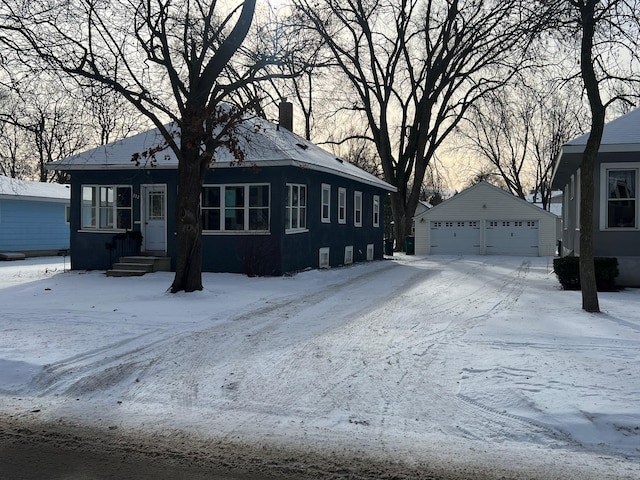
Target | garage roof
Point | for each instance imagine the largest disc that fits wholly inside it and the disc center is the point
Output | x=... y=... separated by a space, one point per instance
x=480 y=189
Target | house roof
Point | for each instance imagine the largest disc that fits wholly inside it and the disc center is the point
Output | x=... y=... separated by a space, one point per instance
x=22 y=189
x=475 y=189
x=619 y=135
x=263 y=143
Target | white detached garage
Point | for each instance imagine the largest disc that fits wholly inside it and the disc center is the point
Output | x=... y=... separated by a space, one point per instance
x=485 y=220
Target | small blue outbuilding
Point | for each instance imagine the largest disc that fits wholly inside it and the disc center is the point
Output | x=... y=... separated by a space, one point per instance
x=33 y=217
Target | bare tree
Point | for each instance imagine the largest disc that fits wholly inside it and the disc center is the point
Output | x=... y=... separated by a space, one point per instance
x=170 y=60
x=41 y=125
x=609 y=32
x=415 y=68
x=520 y=129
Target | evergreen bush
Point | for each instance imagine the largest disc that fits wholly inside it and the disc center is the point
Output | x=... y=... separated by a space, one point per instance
x=567 y=269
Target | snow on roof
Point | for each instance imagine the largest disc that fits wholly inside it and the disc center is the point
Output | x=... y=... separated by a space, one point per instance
x=264 y=144
x=623 y=131
x=24 y=189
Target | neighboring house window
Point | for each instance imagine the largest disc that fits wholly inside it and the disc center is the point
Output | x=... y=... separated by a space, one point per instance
x=296 y=209
x=106 y=207
x=235 y=208
x=619 y=184
x=326 y=203
x=376 y=211
x=357 y=209
x=342 y=205
x=370 y=252
x=67 y=214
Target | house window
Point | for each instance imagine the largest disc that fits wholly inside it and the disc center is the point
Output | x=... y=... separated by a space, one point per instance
x=342 y=205
x=348 y=254
x=357 y=209
x=326 y=203
x=106 y=207
x=620 y=197
x=370 y=252
x=323 y=259
x=296 y=209
x=67 y=214
x=235 y=208
x=376 y=211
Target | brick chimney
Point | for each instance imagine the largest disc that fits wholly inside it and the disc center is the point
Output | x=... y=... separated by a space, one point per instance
x=286 y=115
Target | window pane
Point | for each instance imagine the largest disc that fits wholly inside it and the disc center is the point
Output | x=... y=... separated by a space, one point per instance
x=106 y=217
x=259 y=196
x=622 y=214
x=211 y=219
x=89 y=206
x=124 y=218
x=233 y=219
x=211 y=197
x=234 y=197
x=303 y=196
x=303 y=217
x=259 y=219
x=106 y=196
x=123 y=197
x=622 y=184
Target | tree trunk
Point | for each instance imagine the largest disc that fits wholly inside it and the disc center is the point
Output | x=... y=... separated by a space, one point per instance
x=587 y=267
x=592 y=87
x=188 y=275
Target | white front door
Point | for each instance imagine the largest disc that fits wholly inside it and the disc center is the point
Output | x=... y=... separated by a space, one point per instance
x=155 y=218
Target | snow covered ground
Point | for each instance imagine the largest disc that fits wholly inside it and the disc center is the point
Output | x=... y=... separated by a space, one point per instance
x=442 y=360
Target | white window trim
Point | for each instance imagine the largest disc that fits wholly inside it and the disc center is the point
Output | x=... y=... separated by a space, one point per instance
x=342 y=205
x=604 y=190
x=376 y=211
x=304 y=229
x=357 y=199
x=324 y=253
x=246 y=208
x=97 y=228
x=370 y=250
x=325 y=188
x=348 y=254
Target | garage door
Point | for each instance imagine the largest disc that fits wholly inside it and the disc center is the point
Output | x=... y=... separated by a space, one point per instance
x=512 y=237
x=455 y=237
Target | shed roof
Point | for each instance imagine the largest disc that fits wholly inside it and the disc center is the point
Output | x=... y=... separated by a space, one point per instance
x=23 y=189
x=619 y=135
x=263 y=143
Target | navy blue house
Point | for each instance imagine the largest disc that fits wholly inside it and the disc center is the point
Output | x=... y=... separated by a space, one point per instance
x=290 y=205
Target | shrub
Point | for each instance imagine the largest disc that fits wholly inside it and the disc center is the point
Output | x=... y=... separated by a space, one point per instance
x=567 y=269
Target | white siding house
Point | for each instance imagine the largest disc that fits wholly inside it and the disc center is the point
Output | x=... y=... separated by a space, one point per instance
x=485 y=220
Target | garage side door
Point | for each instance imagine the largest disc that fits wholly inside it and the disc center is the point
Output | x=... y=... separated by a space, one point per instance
x=455 y=238
x=512 y=237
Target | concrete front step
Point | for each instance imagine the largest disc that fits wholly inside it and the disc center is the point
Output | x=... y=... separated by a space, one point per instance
x=160 y=264
x=136 y=266
x=143 y=267
x=125 y=273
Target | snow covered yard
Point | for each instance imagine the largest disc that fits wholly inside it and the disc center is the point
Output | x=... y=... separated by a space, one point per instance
x=460 y=362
